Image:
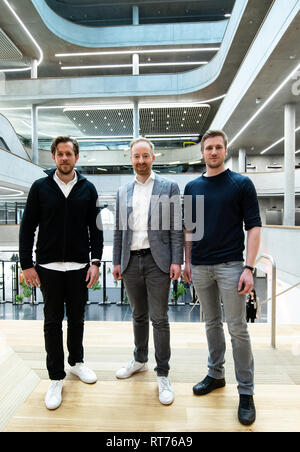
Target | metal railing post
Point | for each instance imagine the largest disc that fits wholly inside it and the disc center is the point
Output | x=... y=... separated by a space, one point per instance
x=273 y=299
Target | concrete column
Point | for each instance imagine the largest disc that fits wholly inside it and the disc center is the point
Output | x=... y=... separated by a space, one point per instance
x=34 y=69
x=242 y=161
x=34 y=134
x=135 y=64
x=135 y=15
x=289 y=164
x=136 y=119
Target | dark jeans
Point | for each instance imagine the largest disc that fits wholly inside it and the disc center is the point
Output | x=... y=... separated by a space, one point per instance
x=148 y=288
x=59 y=288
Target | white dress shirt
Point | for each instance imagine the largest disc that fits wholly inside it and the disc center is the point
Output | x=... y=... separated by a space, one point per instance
x=64 y=266
x=140 y=208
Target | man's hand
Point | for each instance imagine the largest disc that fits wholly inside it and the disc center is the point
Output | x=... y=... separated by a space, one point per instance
x=31 y=277
x=175 y=271
x=117 y=272
x=187 y=273
x=92 y=275
x=246 y=282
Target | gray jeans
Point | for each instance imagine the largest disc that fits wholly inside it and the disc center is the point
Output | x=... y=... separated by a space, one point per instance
x=213 y=284
x=148 y=288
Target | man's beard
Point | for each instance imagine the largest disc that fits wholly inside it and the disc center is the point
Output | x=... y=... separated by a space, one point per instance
x=65 y=172
x=214 y=164
x=142 y=170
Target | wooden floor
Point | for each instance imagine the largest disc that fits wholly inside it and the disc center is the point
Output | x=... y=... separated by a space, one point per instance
x=132 y=405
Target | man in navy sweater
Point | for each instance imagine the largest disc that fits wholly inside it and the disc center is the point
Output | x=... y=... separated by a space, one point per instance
x=214 y=264
x=63 y=206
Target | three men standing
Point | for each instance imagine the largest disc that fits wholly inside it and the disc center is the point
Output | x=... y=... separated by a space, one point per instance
x=147 y=255
x=63 y=206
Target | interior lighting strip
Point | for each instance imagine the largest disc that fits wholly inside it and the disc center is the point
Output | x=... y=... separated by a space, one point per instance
x=203 y=103
x=277 y=142
x=115 y=66
x=132 y=52
x=30 y=37
x=274 y=94
x=16 y=194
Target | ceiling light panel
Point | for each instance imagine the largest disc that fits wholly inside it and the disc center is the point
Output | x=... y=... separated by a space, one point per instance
x=160 y=120
x=102 y=122
x=8 y=50
x=173 y=120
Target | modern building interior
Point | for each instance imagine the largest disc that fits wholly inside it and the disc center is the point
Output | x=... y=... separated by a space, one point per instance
x=104 y=73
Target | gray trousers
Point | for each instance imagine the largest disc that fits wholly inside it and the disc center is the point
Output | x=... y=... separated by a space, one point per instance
x=213 y=284
x=148 y=288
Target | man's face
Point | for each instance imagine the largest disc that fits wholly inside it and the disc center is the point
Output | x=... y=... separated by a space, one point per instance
x=65 y=157
x=214 y=152
x=142 y=158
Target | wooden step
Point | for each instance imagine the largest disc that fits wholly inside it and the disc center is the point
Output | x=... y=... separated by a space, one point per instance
x=133 y=406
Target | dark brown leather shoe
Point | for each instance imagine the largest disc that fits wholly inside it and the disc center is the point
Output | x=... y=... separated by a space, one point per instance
x=208 y=384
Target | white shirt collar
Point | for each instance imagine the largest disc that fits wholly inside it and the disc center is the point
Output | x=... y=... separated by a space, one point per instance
x=59 y=181
x=150 y=179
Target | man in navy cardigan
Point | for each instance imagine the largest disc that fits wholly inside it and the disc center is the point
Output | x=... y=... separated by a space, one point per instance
x=214 y=264
x=63 y=206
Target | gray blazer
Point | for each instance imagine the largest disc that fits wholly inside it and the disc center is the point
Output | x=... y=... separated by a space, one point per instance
x=165 y=232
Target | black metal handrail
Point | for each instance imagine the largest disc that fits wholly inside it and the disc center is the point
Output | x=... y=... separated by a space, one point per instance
x=10 y=272
x=10 y=285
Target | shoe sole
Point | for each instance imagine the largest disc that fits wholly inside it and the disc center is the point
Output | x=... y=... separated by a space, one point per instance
x=143 y=369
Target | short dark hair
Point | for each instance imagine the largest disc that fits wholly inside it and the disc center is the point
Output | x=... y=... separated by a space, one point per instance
x=212 y=134
x=58 y=140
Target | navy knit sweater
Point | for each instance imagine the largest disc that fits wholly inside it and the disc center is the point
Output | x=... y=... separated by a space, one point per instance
x=230 y=205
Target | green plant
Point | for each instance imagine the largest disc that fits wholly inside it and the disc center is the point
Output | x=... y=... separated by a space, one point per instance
x=179 y=292
x=27 y=291
x=96 y=286
x=19 y=298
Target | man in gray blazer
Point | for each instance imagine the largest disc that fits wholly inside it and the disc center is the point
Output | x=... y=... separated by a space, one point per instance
x=147 y=254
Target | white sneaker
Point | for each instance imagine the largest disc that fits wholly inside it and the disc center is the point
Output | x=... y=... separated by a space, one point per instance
x=131 y=368
x=166 y=393
x=53 y=397
x=83 y=373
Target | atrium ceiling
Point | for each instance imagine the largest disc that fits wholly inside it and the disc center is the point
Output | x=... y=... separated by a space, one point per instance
x=178 y=39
